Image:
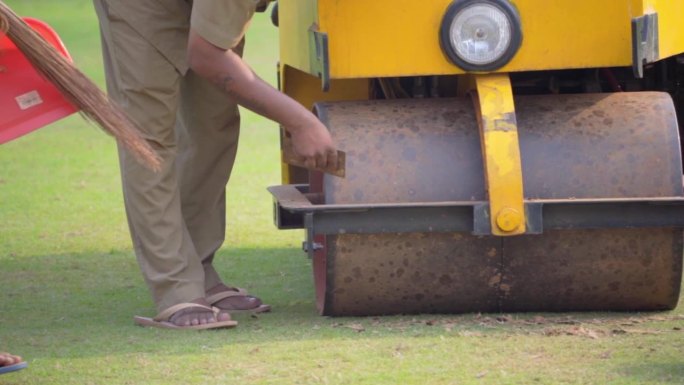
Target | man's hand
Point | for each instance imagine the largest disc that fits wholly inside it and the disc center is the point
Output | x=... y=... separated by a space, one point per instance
x=312 y=142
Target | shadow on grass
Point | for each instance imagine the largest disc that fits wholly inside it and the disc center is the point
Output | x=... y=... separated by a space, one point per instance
x=656 y=373
x=57 y=301
x=81 y=305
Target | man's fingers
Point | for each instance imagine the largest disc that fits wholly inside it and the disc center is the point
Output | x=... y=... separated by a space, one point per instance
x=327 y=160
x=321 y=161
x=310 y=162
x=7 y=359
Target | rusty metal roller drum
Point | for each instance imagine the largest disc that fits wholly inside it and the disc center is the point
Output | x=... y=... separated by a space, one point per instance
x=592 y=146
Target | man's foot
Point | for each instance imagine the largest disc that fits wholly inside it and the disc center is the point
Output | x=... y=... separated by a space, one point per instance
x=232 y=299
x=10 y=363
x=194 y=316
x=7 y=359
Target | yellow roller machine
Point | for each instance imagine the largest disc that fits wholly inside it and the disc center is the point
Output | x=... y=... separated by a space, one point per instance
x=501 y=155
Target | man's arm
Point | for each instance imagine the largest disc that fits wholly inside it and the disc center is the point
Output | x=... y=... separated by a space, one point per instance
x=227 y=70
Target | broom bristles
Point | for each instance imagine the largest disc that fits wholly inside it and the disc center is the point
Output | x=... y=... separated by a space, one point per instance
x=94 y=104
x=3 y=24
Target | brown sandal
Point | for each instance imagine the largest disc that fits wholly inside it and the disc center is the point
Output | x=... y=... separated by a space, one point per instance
x=162 y=320
x=236 y=292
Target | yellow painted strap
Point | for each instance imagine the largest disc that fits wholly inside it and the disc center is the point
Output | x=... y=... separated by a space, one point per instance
x=501 y=153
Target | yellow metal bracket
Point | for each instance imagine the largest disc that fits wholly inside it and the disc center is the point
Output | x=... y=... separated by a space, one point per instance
x=493 y=99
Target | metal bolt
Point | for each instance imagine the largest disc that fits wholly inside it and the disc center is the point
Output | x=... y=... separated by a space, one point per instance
x=508 y=219
x=316 y=246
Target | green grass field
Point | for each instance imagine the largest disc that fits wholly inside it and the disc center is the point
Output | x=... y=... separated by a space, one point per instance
x=69 y=283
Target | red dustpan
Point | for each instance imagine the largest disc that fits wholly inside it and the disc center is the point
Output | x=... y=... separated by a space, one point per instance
x=27 y=100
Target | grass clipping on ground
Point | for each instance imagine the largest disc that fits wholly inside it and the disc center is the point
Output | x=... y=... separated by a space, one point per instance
x=76 y=87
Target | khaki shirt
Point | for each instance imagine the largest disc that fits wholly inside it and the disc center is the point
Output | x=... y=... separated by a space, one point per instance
x=165 y=24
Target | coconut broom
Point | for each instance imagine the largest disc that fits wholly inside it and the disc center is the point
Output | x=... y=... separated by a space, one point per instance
x=80 y=91
x=3 y=24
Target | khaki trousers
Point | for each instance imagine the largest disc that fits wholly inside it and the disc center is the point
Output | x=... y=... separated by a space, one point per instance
x=176 y=216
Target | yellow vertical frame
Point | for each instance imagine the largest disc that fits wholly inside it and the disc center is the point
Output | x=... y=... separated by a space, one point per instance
x=493 y=99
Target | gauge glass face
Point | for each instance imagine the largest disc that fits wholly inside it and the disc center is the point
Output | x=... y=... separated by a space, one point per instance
x=480 y=34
